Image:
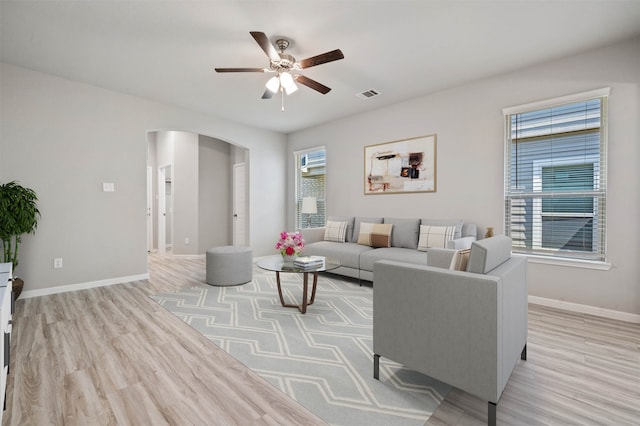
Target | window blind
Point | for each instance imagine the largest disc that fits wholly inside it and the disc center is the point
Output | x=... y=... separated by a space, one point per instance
x=555 y=179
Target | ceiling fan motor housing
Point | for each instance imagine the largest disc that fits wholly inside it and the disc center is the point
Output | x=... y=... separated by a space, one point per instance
x=286 y=62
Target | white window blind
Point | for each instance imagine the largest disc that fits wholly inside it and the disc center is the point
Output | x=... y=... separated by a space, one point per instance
x=555 y=177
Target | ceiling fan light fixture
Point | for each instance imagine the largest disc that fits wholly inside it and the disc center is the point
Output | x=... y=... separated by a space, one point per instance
x=286 y=80
x=282 y=63
x=273 y=84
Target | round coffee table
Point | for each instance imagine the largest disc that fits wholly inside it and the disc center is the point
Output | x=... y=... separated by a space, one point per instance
x=278 y=265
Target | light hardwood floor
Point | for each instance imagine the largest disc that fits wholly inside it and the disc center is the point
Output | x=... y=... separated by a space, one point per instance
x=111 y=355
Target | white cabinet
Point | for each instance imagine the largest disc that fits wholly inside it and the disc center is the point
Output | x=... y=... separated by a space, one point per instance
x=6 y=313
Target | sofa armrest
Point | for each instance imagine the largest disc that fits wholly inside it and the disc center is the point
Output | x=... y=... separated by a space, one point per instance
x=312 y=235
x=460 y=243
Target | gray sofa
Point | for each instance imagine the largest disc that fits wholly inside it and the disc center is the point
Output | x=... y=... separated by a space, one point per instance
x=467 y=329
x=357 y=260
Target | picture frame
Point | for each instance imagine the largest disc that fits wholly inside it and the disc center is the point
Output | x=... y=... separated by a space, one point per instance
x=402 y=166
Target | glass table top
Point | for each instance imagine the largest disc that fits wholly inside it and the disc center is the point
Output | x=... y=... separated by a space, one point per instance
x=277 y=264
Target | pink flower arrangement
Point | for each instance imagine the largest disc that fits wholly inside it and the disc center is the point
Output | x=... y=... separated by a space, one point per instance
x=290 y=244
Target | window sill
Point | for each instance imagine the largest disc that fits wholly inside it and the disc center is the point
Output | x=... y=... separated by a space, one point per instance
x=572 y=263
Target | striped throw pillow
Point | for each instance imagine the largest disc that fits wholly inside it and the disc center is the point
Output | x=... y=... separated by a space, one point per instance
x=435 y=236
x=335 y=231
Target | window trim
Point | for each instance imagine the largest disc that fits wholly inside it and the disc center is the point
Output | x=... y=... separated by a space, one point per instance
x=602 y=93
x=548 y=103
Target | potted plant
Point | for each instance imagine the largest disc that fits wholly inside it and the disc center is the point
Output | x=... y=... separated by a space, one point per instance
x=19 y=215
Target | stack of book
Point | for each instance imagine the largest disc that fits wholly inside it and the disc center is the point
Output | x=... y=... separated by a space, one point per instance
x=308 y=262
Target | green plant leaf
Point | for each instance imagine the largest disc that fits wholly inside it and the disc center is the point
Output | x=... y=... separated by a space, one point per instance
x=19 y=215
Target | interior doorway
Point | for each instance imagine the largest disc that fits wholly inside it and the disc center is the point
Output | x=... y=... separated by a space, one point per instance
x=149 y=209
x=198 y=197
x=165 y=208
x=240 y=235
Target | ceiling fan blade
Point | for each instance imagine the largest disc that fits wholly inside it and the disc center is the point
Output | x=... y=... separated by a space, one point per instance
x=265 y=44
x=334 y=55
x=268 y=94
x=240 y=70
x=313 y=84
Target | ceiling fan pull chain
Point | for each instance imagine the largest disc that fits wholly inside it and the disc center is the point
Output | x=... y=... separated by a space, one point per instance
x=282 y=93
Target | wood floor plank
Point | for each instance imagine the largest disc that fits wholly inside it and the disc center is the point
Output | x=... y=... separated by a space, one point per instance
x=112 y=355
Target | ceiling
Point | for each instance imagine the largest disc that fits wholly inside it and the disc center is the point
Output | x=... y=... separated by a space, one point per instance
x=166 y=50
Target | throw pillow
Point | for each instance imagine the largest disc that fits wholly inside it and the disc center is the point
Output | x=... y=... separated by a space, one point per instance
x=460 y=259
x=356 y=226
x=335 y=231
x=445 y=222
x=435 y=236
x=375 y=234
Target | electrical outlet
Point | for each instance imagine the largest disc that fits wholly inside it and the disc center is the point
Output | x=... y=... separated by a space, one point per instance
x=186 y=241
x=57 y=263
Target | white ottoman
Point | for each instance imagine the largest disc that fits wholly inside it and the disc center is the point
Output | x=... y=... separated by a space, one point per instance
x=229 y=265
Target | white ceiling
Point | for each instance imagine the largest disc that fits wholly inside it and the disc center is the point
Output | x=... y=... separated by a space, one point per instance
x=166 y=50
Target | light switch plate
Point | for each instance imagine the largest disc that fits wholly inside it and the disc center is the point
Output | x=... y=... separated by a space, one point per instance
x=108 y=187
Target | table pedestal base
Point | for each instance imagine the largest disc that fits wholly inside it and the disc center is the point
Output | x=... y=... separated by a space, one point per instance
x=305 y=284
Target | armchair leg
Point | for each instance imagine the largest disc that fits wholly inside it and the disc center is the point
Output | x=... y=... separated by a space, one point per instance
x=376 y=366
x=523 y=354
x=491 y=414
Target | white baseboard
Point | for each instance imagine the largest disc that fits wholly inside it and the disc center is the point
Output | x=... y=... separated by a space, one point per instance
x=82 y=286
x=585 y=309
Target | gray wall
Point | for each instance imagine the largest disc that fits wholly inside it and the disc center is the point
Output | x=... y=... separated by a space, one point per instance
x=63 y=139
x=214 y=193
x=468 y=121
x=185 y=192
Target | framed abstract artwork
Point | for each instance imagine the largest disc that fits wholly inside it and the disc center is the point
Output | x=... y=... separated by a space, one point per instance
x=407 y=165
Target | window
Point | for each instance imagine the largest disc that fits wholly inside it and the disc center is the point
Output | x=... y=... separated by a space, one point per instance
x=555 y=177
x=310 y=188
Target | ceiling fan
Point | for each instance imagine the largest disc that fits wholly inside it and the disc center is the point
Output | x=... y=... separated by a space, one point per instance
x=286 y=67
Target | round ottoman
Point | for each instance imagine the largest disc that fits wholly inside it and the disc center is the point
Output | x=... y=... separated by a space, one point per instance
x=229 y=265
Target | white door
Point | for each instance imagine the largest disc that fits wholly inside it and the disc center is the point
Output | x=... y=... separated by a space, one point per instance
x=149 y=209
x=240 y=235
x=163 y=223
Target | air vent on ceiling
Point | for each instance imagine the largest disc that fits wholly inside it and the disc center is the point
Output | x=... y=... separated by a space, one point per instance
x=368 y=94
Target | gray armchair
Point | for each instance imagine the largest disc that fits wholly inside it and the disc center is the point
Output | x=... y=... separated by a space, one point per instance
x=467 y=329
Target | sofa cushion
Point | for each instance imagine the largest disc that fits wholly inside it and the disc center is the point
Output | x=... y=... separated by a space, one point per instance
x=335 y=231
x=347 y=253
x=469 y=230
x=435 y=236
x=375 y=234
x=356 y=226
x=445 y=222
x=367 y=259
x=405 y=232
x=489 y=253
x=349 y=220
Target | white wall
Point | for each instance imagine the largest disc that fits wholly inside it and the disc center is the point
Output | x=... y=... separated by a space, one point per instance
x=63 y=139
x=468 y=122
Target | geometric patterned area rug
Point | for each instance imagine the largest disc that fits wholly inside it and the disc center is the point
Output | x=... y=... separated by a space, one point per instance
x=322 y=359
